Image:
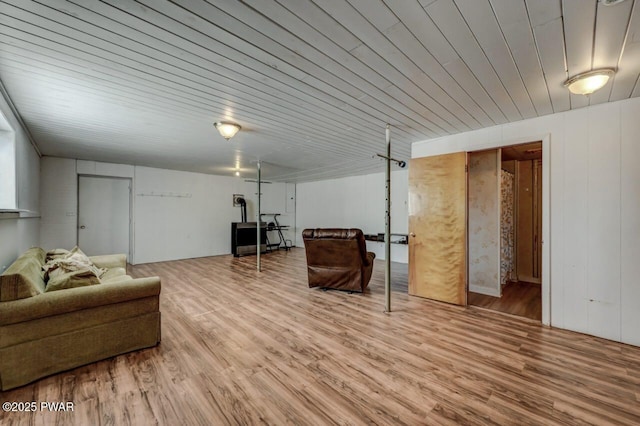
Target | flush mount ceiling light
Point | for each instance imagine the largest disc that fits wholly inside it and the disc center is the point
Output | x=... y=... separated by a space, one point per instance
x=227 y=129
x=588 y=82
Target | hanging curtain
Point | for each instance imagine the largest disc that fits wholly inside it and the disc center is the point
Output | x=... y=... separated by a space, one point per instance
x=507 y=265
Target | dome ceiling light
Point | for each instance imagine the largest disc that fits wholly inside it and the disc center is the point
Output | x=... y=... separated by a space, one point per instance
x=588 y=82
x=227 y=130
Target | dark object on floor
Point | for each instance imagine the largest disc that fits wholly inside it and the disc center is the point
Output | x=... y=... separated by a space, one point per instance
x=337 y=258
x=244 y=238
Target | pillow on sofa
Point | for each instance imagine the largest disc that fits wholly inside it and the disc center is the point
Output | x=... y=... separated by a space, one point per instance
x=73 y=261
x=73 y=279
x=55 y=254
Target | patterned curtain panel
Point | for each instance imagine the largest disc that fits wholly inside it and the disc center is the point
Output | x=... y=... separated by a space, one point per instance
x=507 y=265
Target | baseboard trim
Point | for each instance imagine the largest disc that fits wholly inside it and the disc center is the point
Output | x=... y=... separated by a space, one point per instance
x=529 y=279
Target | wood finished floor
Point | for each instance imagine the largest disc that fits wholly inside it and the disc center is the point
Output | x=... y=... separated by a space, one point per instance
x=518 y=298
x=241 y=347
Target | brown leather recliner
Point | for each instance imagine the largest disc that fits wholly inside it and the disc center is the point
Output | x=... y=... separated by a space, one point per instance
x=338 y=258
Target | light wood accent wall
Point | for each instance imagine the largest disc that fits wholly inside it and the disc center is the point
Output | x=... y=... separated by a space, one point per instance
x=437 y=228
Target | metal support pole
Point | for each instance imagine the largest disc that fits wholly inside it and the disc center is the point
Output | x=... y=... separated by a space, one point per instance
x=387 y=227
x=258 y=244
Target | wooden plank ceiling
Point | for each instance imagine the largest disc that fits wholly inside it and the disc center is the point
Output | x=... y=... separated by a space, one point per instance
x=311 y=82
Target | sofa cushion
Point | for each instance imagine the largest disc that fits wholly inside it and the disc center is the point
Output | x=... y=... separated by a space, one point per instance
x=113 y=274
x=24 y=277
x=72 y=279
x=117 y=280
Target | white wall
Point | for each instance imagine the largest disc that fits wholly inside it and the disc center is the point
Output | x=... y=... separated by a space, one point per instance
x=355 y=202
x=198 y=221
x=59 y=203
x=175 y=215
x=20 y=231
x=594 y=222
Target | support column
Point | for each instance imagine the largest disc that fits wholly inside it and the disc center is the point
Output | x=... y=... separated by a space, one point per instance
x=387 y=226
x=258 y=242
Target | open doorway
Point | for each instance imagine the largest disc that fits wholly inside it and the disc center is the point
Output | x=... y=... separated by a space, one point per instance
x=505 y=229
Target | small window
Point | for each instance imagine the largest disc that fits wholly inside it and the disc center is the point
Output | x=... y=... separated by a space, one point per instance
x=7 y=166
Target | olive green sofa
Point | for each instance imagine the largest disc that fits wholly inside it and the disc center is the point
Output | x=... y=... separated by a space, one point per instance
x=43 y=333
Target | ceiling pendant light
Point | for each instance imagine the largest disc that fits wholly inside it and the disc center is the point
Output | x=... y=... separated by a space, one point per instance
x=227 y=130
x=588 y=82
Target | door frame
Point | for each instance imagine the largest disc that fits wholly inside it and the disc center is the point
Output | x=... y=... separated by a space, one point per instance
x=130 y=257
x=546 y=209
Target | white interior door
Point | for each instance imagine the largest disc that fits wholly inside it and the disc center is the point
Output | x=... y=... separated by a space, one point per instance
x=103 y=215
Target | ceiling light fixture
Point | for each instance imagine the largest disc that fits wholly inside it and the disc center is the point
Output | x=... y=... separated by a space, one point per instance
x=227 y=130
x=588 y=82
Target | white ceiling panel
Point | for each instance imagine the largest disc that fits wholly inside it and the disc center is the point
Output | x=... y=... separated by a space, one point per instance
x=312 y=82
x=626 y=81
x=611 y=29
x=451 y=23
x=579 y=24
x=417 y=22
x=482 y=21
x=548 y=31
x=513 y=17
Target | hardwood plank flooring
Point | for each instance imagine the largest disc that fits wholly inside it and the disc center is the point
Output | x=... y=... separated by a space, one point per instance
x=518 y=298
x=242 y=347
